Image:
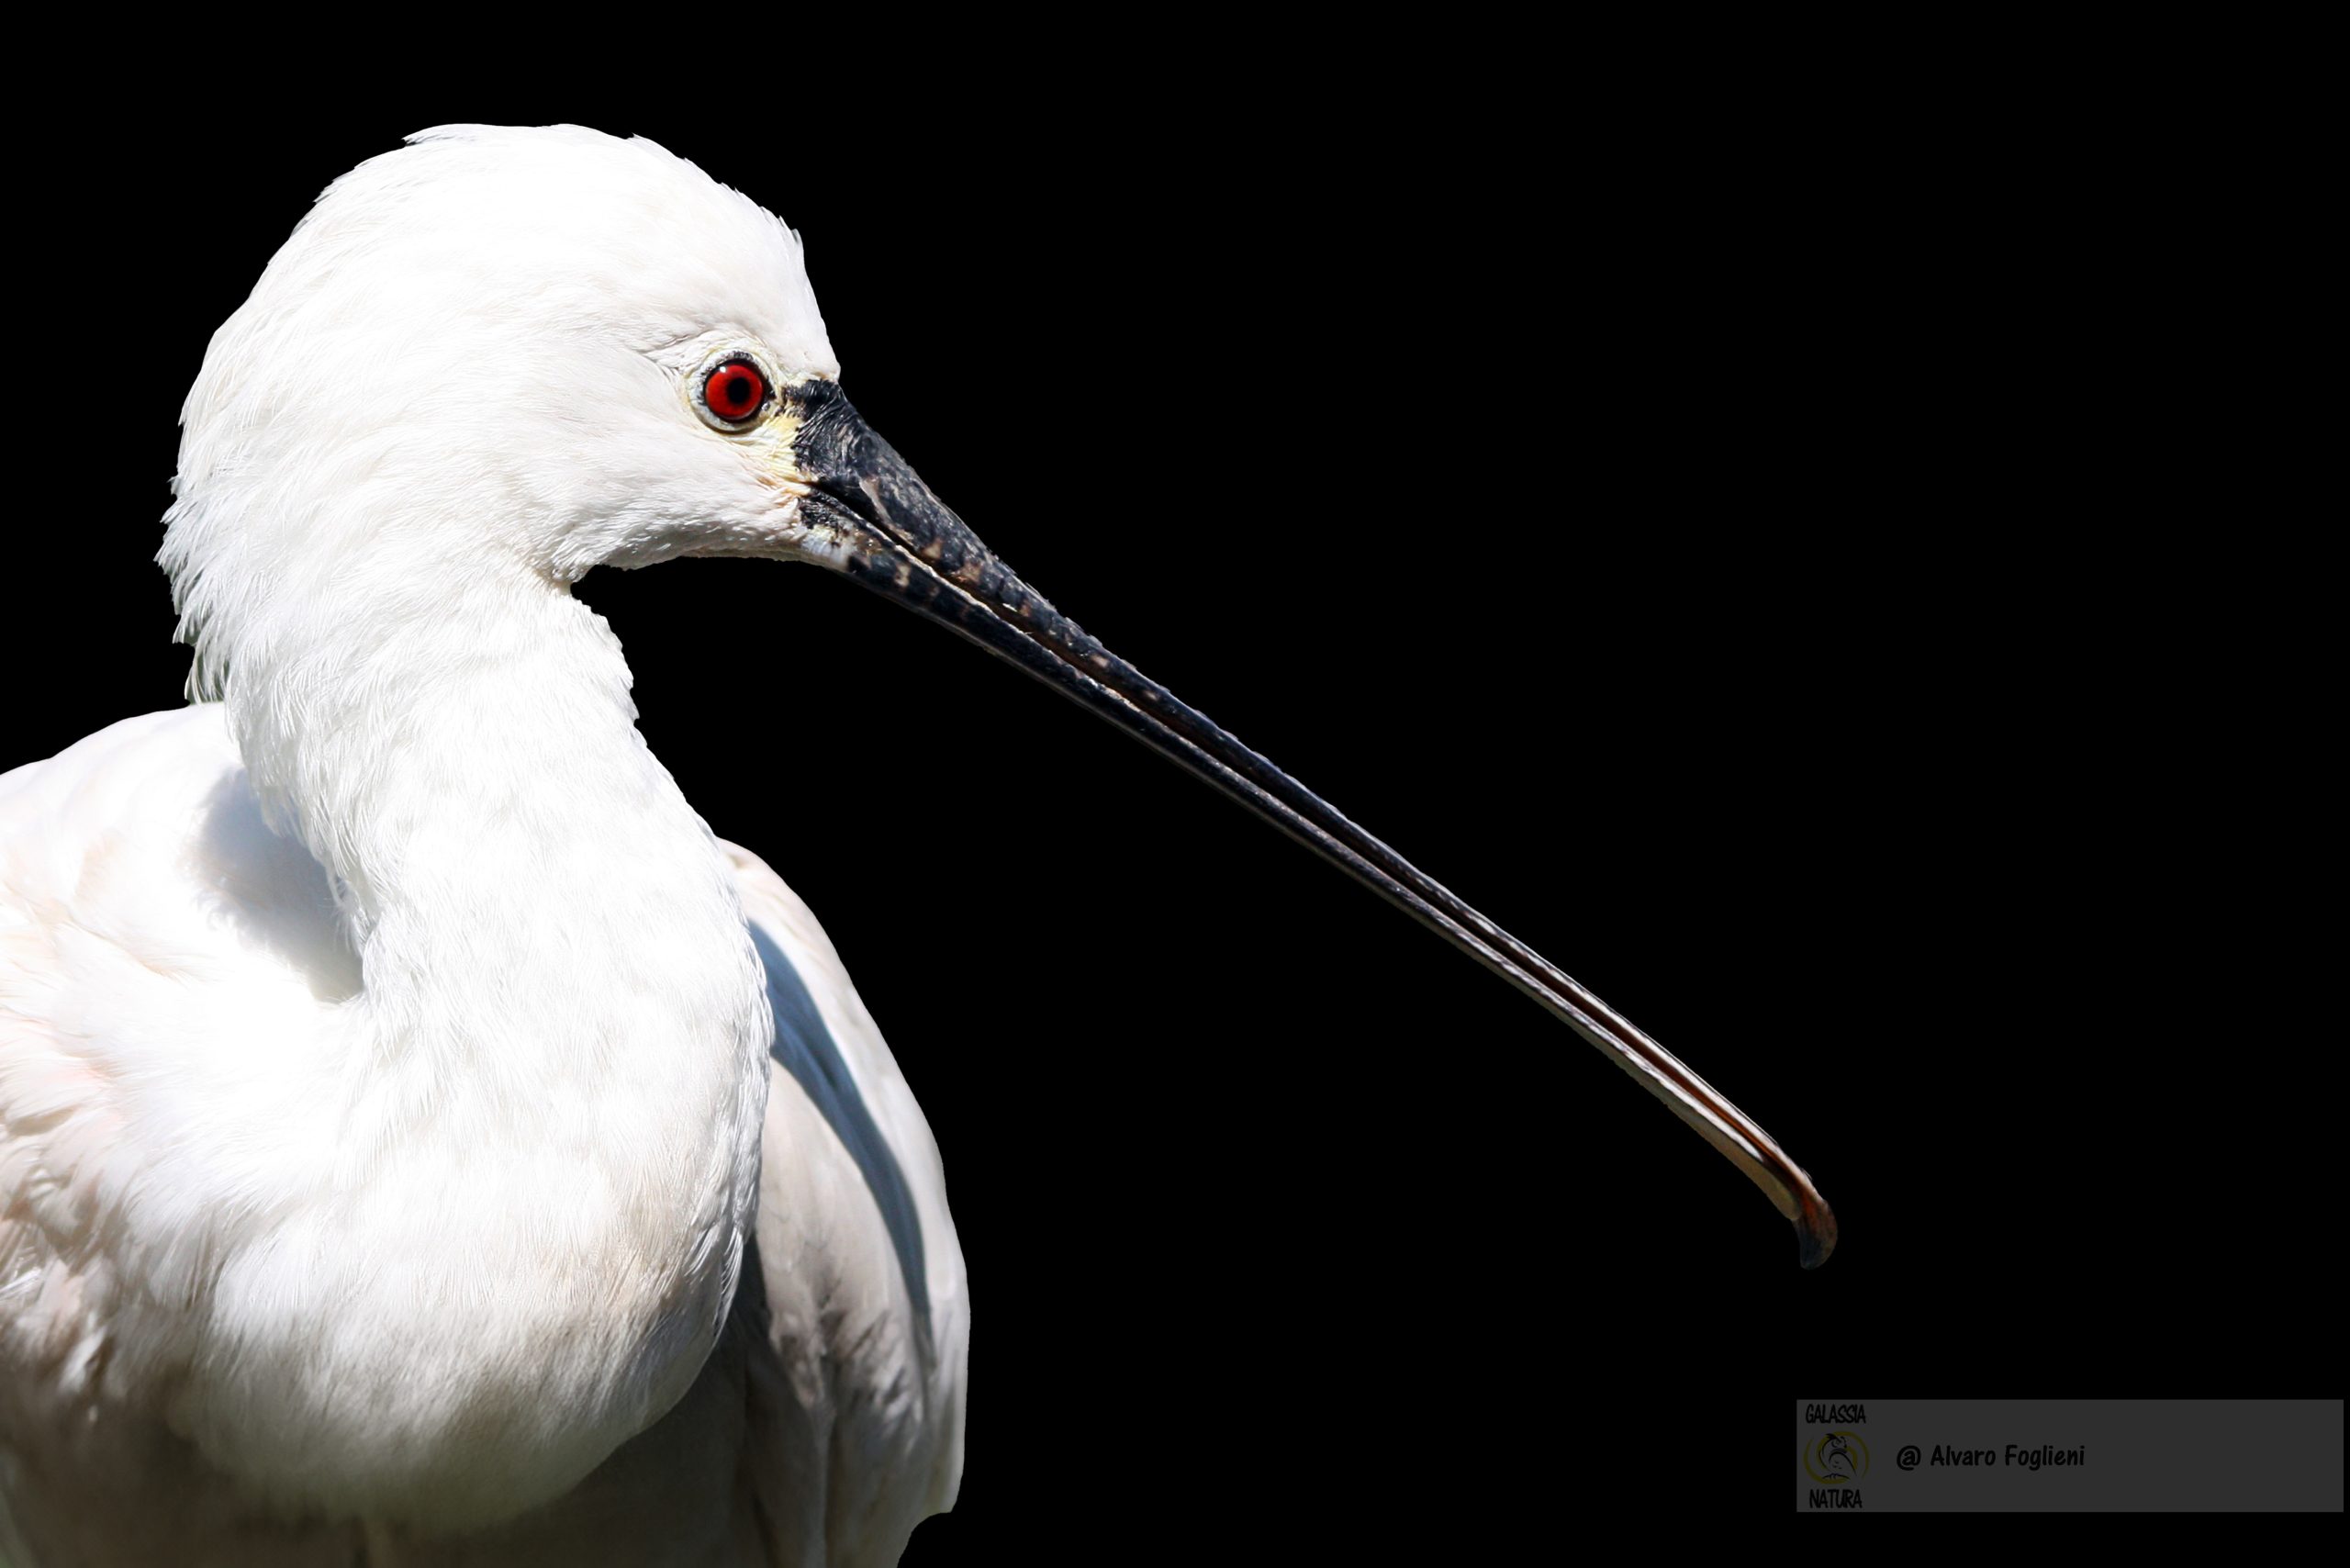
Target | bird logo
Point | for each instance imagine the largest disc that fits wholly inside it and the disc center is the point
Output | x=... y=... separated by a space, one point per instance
x=1837 y=1459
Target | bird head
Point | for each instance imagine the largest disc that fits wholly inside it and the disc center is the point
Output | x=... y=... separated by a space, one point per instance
x=494 y=359
x=496 y=351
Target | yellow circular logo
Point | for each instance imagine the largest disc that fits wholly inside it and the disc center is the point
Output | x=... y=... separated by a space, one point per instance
x=1837 y=1459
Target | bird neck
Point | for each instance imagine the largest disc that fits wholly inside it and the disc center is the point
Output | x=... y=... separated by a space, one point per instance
x=545 y=1098
x=512 y=863
x=534 y=904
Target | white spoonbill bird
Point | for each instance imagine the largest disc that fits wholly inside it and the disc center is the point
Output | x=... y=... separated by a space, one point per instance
x=421 y=1141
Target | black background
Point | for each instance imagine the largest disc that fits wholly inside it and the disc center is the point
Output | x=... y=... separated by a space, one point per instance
x=1650 y=500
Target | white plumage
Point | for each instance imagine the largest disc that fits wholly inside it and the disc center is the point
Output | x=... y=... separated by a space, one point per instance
x=391 y=1086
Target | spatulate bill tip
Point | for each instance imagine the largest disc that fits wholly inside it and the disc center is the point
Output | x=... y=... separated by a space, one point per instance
x=1815 y=1233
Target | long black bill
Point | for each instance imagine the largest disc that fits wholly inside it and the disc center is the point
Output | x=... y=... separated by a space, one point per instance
x=873 y=517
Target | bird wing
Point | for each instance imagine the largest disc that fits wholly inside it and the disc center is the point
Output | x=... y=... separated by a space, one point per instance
x=856 y=1424
x=148 y=920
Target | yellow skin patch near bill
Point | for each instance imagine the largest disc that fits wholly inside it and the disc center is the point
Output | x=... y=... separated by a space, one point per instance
x=778 y=464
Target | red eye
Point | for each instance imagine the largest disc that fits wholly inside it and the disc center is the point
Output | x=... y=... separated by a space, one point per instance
x=735 y=390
